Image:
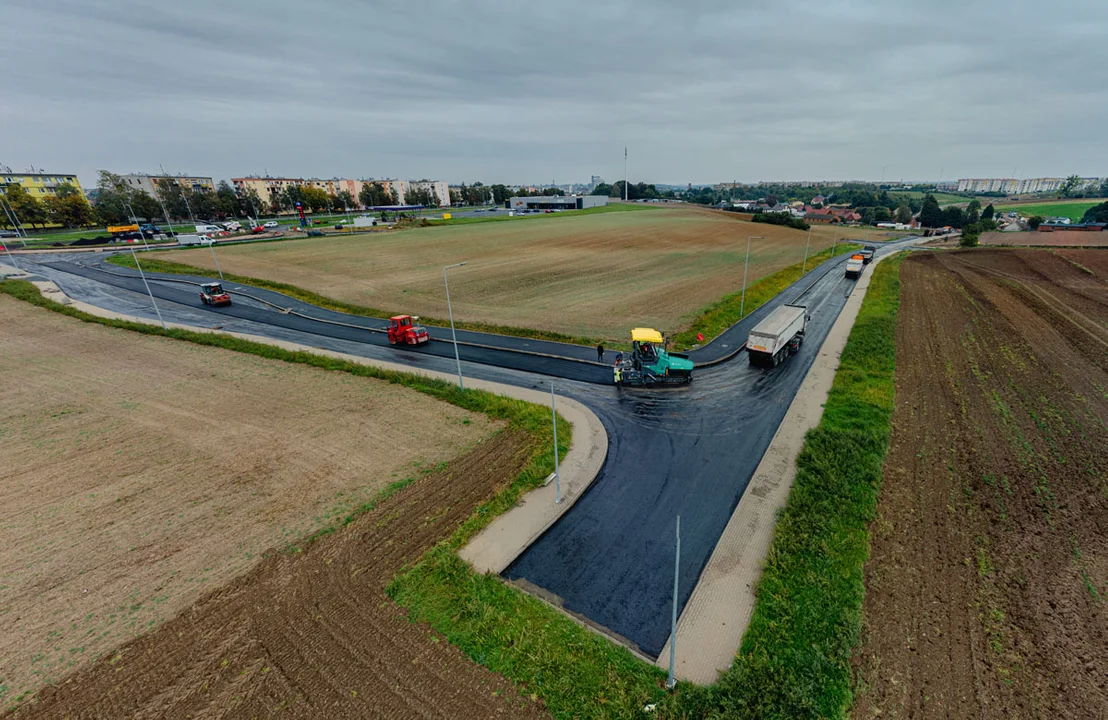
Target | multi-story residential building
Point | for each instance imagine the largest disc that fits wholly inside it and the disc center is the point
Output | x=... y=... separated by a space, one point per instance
x=150 y=183
x=266 y=187
x=39 y=184
x=1015 y=186
x=438 y=188
x=336 y=185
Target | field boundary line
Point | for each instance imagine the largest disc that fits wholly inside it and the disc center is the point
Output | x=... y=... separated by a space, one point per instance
x=715 y=618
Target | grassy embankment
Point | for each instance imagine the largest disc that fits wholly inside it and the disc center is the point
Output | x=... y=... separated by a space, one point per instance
x=717 y=317
x=795 y=657
x=794 y=660
x=710 y=320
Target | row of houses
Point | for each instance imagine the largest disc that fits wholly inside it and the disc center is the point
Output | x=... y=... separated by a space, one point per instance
x=809 y=213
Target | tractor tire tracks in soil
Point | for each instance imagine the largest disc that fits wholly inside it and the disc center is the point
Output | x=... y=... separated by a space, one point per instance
x=986 y=582
x=312 y=633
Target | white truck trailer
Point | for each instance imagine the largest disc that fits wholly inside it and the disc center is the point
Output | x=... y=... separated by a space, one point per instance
x=777 y=336
x=193 y=240
x=854 y=265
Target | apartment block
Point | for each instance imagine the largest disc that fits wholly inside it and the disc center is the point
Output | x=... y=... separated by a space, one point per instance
x=150 y=183
x=39 y=185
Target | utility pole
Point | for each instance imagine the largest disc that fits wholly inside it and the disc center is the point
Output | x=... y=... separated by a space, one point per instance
x=624 y=173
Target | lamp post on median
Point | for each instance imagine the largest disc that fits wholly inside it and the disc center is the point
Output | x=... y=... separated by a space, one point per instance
x=742 y=303
x=836 y=242
x=453 y=334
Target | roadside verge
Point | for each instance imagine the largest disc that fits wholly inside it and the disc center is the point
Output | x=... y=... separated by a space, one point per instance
x=717 y=615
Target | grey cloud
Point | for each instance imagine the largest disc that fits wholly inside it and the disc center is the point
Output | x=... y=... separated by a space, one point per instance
x=514 y=92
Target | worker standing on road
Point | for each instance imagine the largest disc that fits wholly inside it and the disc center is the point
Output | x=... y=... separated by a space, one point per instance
x=600 y=352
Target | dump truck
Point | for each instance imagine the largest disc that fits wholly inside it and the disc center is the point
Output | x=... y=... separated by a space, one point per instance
x=649 y=363
x=214 y=294
x=867 y=252
x=854 y=265
x=403 y=330
x=778 y=335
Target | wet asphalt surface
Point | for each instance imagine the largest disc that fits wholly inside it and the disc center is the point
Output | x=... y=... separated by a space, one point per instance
x=687 y=451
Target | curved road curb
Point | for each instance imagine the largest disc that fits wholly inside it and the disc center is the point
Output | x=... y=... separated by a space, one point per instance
x=714 y=620
x=495 y=547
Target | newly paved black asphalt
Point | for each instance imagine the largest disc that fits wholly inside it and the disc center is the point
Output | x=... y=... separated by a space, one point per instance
x=688 y=451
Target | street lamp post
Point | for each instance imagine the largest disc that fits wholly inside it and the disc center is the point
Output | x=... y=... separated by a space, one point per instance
x=836 y=242
x=557 y=474
x=453 y=334
x=807 y=244
x=742 y=303
x=148 y=290
x=134 y=216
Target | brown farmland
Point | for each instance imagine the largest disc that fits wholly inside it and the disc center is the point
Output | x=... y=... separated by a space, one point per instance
x=1056 y=238
x=138 y=474
x=987 y=583
x=591 y=275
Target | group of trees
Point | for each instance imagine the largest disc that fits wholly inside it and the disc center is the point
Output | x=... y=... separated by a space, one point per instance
x=781 y=219
x=66 y=207
x=635 y=191
x=376 y=193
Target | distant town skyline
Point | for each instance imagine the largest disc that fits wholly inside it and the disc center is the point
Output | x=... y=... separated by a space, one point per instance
x=466 y=92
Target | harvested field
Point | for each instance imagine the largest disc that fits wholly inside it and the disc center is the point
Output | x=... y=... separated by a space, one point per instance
x=138 y=474
x=591 y=276
x=313 y=635
x=1055 y=238
x=988 y=573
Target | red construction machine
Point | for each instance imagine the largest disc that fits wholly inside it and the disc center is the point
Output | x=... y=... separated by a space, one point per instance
x=403 y=331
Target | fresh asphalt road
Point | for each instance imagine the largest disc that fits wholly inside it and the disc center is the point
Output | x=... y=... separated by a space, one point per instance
x=687 y=451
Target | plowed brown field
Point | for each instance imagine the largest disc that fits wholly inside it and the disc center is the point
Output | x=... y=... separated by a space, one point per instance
x=313 y=634
x=987 y=584
x=139 y=474
x=589 y=275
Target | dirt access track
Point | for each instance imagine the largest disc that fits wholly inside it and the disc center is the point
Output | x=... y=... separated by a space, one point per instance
x=590 y=275
x=122 y=506
x=987 y=583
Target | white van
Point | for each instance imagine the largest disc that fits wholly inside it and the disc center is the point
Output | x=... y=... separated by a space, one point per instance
x=193 y=240
x=208 y=229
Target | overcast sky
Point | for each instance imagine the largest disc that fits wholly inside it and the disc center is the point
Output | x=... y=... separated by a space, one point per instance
x=533 y=92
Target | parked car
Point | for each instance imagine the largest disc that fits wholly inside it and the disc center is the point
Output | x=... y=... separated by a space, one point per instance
x=270 y=224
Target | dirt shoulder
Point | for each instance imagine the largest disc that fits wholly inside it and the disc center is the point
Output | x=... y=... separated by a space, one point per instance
x=139 y=473
x=986 y=583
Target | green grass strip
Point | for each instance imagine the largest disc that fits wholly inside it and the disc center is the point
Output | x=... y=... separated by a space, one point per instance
x=169 y=267
x=722 y=314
